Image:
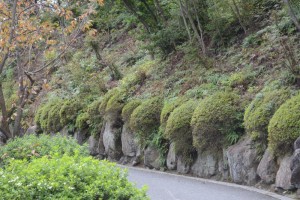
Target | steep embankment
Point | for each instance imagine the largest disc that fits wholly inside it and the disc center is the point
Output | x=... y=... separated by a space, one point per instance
x=231 y=116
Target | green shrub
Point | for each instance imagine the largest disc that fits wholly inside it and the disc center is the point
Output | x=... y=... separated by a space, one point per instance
x=167 y=109
x=106 y=98
x=82 y=121
x=31 y=146
x=66 y=177
x=261 y=110
x=42 y=116
x=284 y=127
x=69 y=111
x=116 y=103
x=145 y=118
x=217 y=118
x=129 y=108
x=53 y=124
x=95 y=121
x=178 y=129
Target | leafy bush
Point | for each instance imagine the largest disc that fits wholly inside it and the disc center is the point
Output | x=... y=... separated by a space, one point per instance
x=129 y=108
x=66 y=177
x=31 y=146
x=145 y=118
x=82 y=121
x=261 y=110
x=106 y=98
x=284 y=127
x=215 y=118
x=42 y=116
x=167 y=109
x=178 y=129
x=69 y=111
x=54 y=124
x=116 y=103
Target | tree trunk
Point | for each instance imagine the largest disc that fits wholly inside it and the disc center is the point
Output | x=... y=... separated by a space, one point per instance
x=238 y=15
x=184 y=21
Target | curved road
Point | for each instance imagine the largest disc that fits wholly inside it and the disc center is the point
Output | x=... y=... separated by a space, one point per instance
x=163 y=186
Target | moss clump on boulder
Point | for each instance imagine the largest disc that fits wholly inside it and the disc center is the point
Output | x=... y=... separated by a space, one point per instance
x=284 y=127
x=105 y=99
x=69 y=111
x=261 y=110
x=129 y=108
x=167 y=109
x=82 y=121
x=178 y=129
x=215 y=119
x=145 y=118
x=115 y=104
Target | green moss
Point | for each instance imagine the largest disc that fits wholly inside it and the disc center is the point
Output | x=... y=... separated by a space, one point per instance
x=168 y=108
x=42 y=117
x=69 y=111
x=129 y=108
x=243 y=78
x=105 y=99
x=145 y=118
x=215 y=119
x=116 y=103
x=95 y=121
x=54 y=124
x=284 y=127
x=178 y=129
x=82 y=121
x=261 y=110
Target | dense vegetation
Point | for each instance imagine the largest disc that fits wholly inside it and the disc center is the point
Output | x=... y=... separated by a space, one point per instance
x=57 y=167
x=210 y=72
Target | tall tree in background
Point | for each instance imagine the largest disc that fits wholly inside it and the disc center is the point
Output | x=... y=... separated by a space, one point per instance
x=34 y=36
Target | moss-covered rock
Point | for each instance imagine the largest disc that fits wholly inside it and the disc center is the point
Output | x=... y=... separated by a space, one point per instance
x=116 y=103
x=284 y=127
x=217 y=118
x=69 y=111
x=129 y=108
x=261 y=110
x=145 y=118
x=82 y=121
x=167 y=109
x=105 y=99
x=178 y=129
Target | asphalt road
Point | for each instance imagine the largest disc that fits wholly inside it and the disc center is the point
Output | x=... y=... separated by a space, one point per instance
x=164 y=186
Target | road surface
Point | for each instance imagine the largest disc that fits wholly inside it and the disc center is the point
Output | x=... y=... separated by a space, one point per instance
x=164 y=186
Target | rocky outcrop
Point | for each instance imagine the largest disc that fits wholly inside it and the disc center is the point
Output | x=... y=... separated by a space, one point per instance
x=112 y=141
x=151 y=158
x=81 y=136
x=93 y=143
x=242 y=161
x=182 y=166
x=295 y=165
x=283 y=176
x=172 y=157
x=206 y=165
x=267 y=168
x=129 y=145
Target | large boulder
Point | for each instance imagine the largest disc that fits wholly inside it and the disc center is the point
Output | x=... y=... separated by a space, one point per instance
x=93 y=143
x=242 y=161
x=267 y=168
x=112 y=141
x=172 y=158
x=206 y=165
x=283 y=176
x=297 y=144
x=81 y=136
x=129 y=145
x=182 y=166
x=152 y=158
x=295 y=168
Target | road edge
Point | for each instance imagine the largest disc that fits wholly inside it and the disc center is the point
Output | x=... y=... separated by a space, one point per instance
x=249 y=188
